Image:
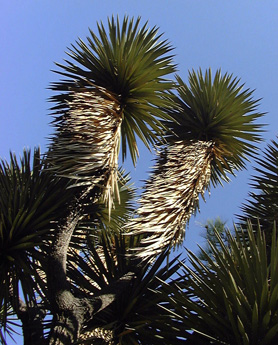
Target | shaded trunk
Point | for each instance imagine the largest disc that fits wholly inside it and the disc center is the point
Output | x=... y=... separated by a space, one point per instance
x=77 y=313
x=64 y=306
x=31 y=317
x=70 y=312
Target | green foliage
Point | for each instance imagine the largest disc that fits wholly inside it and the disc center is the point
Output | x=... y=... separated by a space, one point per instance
x=136 y=317
x=263 y=199
x=115 y=89
x=8 y=322
x=217 y=110
x=31 y=201
x=233 y=299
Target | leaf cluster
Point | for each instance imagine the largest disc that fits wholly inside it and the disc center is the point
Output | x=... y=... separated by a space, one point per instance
x=136 y=316
x=233 y=299
x=262 y=203
x=31 y=201
x=217 y=109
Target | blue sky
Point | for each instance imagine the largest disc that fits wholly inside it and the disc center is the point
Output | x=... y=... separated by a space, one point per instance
x=240 y=37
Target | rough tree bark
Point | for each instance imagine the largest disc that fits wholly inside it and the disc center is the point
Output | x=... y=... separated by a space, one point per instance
x=71 y=313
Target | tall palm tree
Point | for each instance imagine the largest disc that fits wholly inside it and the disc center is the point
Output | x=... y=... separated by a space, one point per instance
x=212 y=135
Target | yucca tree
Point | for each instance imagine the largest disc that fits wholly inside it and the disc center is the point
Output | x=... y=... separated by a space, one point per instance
x=211 y=226
x=33 y=201
x=213 y=134
x=69 y=250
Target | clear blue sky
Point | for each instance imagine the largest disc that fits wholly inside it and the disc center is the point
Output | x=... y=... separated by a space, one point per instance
x=240 y=37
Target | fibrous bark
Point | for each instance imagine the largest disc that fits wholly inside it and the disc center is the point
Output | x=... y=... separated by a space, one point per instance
x=85 y=147
x=171 y=195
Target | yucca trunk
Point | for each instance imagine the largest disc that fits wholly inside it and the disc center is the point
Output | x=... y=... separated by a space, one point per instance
x=87 y=145
x=171 y=195
x=85 y=149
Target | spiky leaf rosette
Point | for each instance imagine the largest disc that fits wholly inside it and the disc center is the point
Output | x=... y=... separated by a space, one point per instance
x=214 y=132
x=171 y=195
x=115 y=86
x=136 y=316
x=218 y=110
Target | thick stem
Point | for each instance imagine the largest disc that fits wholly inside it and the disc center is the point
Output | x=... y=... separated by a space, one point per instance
x=70 y=312
x=171 y=196
x=65 y=307
x=79 y=312
x=32 y=327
